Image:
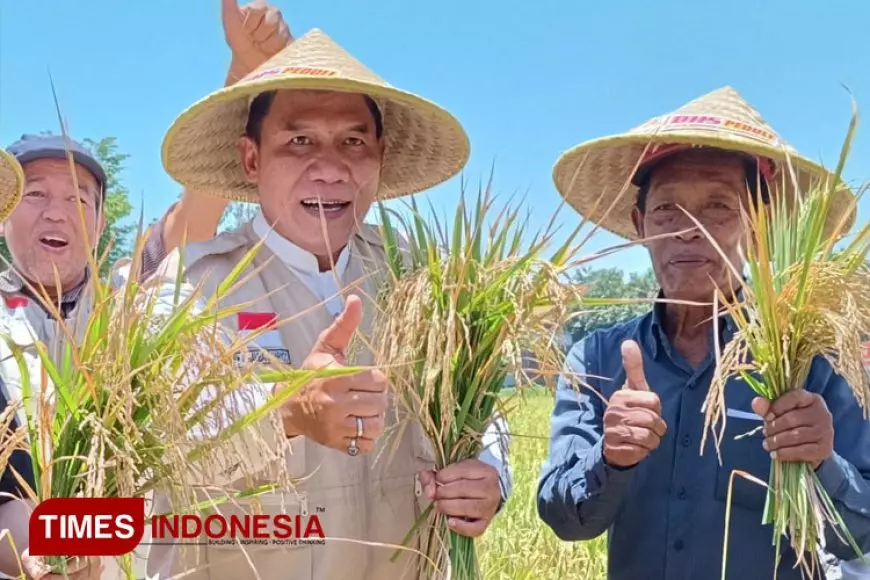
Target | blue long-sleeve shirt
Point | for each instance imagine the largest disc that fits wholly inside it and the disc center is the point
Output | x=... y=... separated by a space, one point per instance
x=666 y=516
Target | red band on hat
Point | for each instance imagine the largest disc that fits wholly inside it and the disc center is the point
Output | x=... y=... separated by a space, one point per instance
x=765 y=165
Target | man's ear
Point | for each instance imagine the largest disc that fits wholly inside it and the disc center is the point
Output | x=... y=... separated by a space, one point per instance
x=101 y=222
x=637 y=220
x=249 y=153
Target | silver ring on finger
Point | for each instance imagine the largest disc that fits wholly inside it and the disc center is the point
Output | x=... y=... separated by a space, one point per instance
x=359 y=426
x=353 y=448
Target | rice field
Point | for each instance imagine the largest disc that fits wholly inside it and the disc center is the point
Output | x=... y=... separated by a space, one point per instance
x=518 y=546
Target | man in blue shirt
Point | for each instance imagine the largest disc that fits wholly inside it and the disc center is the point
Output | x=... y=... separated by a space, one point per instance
x=624 y=453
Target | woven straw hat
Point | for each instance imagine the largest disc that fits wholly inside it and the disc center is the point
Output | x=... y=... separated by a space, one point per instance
x=11 y=184
x=424 y=144
x=592 y=175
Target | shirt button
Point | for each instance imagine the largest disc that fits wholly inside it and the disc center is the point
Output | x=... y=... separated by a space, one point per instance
x=678 y=545
x=686 y=440
x=682 y=494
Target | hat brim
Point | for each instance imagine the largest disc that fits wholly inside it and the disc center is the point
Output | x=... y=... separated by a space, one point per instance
x=424 y=144
x=595 y=178
x=11 y=184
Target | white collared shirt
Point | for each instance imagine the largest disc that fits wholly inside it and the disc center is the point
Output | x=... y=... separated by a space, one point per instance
x=324 y=285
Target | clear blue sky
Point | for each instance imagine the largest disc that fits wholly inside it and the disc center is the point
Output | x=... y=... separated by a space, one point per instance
x=527 y=80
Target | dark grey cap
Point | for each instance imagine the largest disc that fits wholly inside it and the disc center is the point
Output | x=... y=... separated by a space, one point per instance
x=33 y=147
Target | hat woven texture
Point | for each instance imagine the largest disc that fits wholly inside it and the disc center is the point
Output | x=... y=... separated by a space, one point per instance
x=11 y=184
x=591 y=176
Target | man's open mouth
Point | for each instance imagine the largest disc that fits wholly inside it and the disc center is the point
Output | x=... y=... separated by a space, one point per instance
x=54 y=242
x=330 y=207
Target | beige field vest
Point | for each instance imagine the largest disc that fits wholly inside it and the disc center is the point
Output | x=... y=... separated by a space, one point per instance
x=373 y=498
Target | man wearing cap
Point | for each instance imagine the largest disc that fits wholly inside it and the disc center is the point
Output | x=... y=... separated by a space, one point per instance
x=314 y=137
x=50 y=247
x=624 y=452
x=14 y=514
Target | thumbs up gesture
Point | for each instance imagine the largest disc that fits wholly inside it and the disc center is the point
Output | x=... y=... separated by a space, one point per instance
x=633 y=424
x=326 y=410
x=255 y=33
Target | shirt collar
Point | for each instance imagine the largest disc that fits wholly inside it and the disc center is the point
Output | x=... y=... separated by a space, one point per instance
x=657 y=336
x=291 y=254
x=12 y=283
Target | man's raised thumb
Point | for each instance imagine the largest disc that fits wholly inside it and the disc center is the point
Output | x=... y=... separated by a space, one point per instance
x=632 y=361
x=336 y=338
x=232 y=17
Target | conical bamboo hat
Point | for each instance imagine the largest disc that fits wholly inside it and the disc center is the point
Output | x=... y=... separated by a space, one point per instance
x=595 y=177
x=424 y=144
x=11 y=184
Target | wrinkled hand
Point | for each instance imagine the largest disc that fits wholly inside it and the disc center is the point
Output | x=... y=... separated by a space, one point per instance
x=255 y=33
x=797 y=427
x=633 y=425
x=325 y=410
x=467 y=492
x=36 y=569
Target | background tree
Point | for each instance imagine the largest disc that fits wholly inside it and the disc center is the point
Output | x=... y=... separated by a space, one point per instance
x=117 y=205
x=611 y=283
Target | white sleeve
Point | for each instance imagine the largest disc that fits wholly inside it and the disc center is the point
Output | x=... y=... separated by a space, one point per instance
x=245 y=400
x=855 y=569
x=496 y=444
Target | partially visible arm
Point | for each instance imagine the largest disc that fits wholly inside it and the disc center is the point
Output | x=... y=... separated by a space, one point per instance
x=193 y=218
x=846 y=474
x=14 y=518
x=14 y=511
x=578 y=493
x=496 y=444
x=255 y=33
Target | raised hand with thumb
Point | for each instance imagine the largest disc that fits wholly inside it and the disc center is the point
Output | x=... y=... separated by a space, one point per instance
x=255 y=33
x=326 y=410
x=633 y=425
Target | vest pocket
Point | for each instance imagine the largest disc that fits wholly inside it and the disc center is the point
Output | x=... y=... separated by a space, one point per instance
x=744 y=454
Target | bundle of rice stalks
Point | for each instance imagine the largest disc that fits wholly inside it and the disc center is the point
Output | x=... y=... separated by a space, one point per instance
x=144 y=393
x=803 y=297
x=459 y=314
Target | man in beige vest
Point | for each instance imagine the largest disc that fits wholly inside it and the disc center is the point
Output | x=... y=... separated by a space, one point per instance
x=314 y=137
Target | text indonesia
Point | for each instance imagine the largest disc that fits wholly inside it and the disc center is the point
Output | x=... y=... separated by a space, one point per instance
x=115 y=526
